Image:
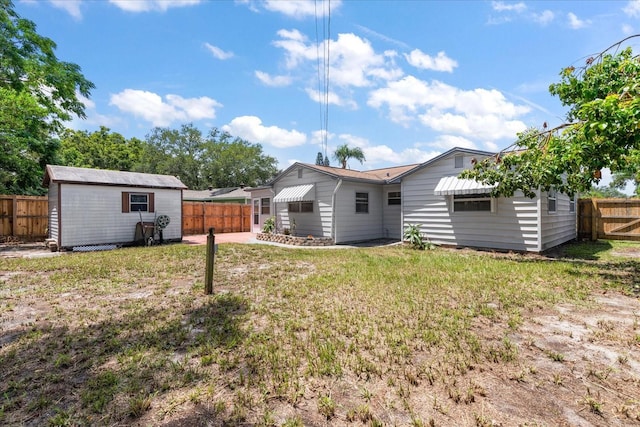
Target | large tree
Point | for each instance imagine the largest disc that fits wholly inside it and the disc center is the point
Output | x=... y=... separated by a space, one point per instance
x=215 y=160
x=343 y=153
x=602 y=130
x=101 y=149
x=38 y=93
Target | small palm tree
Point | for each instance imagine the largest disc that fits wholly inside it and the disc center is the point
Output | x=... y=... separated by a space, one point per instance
x=344 y=153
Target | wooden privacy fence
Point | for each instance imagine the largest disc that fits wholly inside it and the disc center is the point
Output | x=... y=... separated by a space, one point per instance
x=198 y=217
x=23 y=217
x=615 y=219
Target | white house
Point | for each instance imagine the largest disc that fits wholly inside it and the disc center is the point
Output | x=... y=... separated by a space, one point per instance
x=350 y=206
x=97 y=207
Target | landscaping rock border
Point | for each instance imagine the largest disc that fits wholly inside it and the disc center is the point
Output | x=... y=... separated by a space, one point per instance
x=286 y=239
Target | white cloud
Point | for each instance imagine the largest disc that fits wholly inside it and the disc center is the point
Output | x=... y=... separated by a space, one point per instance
x=151 y=5
x=627 y=29
x=543 y=18
x=576 y=23
x=447 y=142
x=72 y=7
x=274 y=81
x=384 y=154
x=500 y=6
x=217 y=52
x=353 y=62
x=632 y=8
x=331 y=98
x=152 y=108
x=477 y=114
x=302 y=8
x=252 y=129
x=441 y=62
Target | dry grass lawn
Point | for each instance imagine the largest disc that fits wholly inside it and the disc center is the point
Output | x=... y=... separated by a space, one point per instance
x=370 y=336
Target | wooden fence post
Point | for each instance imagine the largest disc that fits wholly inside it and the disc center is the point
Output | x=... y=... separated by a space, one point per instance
x=211 y=250
x=594 y=219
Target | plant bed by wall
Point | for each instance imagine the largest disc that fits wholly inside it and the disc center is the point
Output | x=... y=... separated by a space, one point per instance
x=295 y=240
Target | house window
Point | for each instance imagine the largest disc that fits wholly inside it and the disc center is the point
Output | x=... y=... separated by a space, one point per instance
x=393 y=198
x=137 y=202
x=362 y=202
x=551 y=201
x=265 y=206
x=459 y=161
x=572 y=205
x=302 y=207
x=472 y=203
x=299 y=172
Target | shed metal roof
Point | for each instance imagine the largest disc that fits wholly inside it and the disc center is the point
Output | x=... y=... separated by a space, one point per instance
x=68 y=174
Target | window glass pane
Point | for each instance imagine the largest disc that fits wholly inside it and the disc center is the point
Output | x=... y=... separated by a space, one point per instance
x=362 y=202
x=294 y=207
x=306 y=207
x=265 y=209
x=394 y=198
x=472 y=203
x=138 y=202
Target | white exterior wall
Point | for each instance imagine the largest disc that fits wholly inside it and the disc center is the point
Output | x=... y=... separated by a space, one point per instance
x=560 y=226
x=92 y=214
x=352 y=226
x=53 y=211
x=391 y=214
x=316 y=223
x=513 y=225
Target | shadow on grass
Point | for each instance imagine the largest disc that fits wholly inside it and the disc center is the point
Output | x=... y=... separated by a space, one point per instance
x=617 y=272
x=585 y=250
x=108 y=372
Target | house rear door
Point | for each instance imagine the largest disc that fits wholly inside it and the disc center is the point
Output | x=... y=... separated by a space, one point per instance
x=255 y=222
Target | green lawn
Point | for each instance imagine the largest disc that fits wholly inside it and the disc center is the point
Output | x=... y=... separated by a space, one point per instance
x=371 y=336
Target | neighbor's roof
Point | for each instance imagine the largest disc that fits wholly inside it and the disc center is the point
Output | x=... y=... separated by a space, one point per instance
x=216 y=194
x=72 y=175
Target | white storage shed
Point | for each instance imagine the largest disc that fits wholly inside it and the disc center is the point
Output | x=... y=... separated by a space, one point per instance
x=89 y=207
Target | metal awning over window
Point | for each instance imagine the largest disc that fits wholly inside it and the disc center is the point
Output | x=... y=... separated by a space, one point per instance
x=450 y=185
x=297 y=193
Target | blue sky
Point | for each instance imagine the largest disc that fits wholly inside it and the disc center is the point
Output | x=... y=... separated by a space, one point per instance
x=407 y=80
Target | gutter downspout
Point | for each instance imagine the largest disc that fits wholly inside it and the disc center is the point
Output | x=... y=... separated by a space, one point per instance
x=334 y=228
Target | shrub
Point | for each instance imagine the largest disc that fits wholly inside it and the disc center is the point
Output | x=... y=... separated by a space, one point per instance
x=269 y=225
x=414 y=236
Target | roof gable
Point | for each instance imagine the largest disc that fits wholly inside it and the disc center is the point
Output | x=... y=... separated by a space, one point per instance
x=73 y=175
x=377 y=176
x=446 y=154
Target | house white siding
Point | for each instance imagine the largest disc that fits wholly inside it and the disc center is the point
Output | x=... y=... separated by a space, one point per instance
x=513 y=224
x=53 y=211
x=560 y=226
x=391 y=214
x=92 y=214
x=352 y=226
x=316 y=223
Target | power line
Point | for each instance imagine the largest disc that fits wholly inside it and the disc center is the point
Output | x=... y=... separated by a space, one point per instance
x=323 y=72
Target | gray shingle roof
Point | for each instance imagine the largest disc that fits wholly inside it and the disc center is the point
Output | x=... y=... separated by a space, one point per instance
x=68 y=174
